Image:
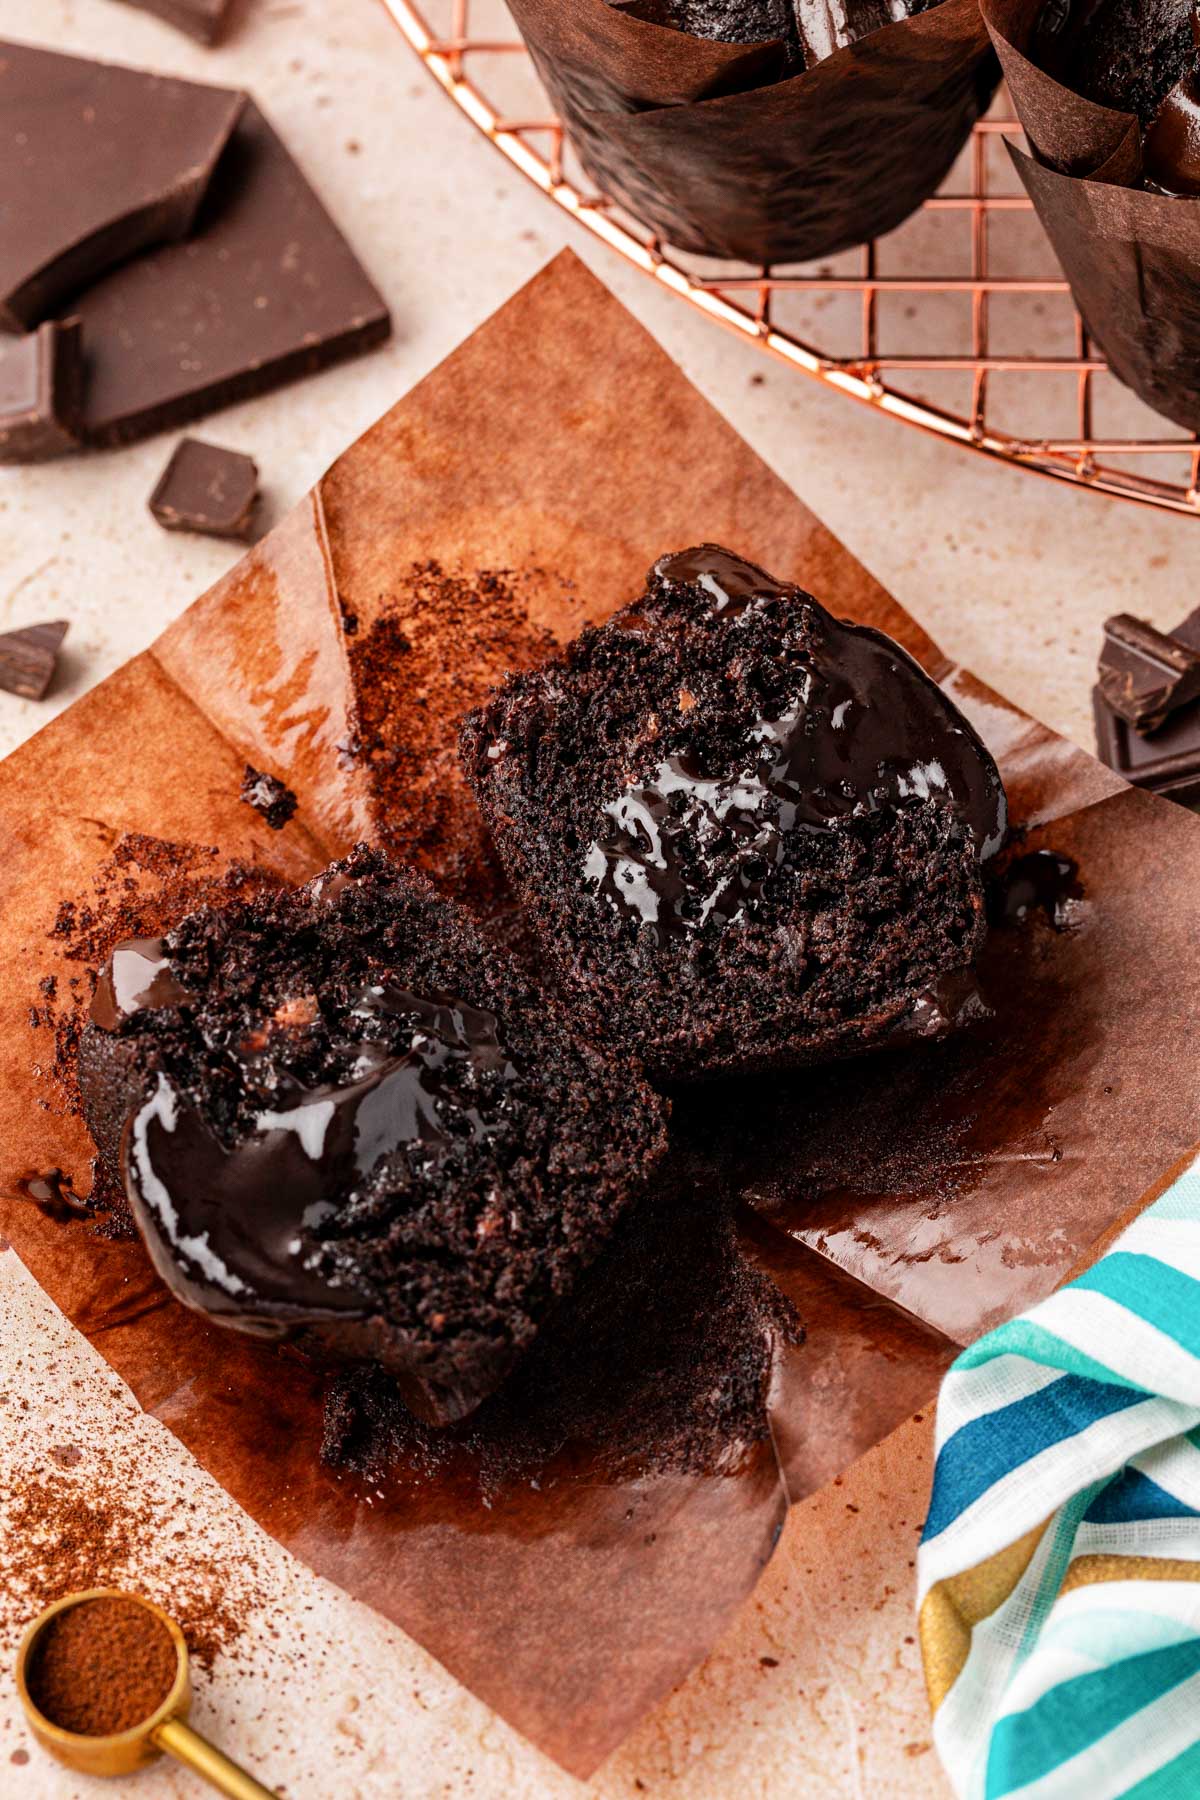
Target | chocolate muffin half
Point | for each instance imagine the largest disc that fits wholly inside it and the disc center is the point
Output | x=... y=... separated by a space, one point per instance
x=747 y=835
x=338 y=1109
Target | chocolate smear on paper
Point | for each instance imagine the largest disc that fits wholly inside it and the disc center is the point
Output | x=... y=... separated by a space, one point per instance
x=98 y=163
x=423 y=812
x=574 y=1606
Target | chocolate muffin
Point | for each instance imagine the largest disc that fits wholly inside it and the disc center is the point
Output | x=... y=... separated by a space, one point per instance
x=810 y=29
x=1124 y=54
x=338 y=1109
x=1140 y=57
x=747 y=835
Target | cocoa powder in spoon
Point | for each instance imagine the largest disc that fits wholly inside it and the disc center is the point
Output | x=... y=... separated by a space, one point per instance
x=102 y=1666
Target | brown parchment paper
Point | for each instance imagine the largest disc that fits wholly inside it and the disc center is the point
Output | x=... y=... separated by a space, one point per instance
x=560 y=440
x=1132 y=257
x=705 y=143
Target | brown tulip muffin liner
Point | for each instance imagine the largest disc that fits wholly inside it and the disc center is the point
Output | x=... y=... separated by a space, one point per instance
x=902 y=1204
x=1132 y=256
x=706 y=144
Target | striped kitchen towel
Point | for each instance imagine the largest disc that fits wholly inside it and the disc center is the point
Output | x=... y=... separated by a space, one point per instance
x=1059 y=1572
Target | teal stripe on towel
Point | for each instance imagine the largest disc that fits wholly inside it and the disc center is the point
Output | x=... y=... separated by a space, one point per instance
x=1074 y=1715
x=1162 y=1295
x=1178 y=1779
x=1037 y=1344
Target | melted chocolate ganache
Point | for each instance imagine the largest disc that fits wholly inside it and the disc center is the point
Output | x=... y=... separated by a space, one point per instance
x=853 y=741
x=234 y=1229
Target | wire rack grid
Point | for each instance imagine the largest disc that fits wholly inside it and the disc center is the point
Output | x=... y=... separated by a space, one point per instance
x=960 y=323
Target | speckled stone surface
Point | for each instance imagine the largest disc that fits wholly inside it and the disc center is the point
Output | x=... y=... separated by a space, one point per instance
x=816 y=1690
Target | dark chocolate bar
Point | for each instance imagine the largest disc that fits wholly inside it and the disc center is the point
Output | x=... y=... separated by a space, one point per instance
x=1166 y=761
x=1145 y=674
x=41 y=392
x=207 y=489
x=204 y=20
x=266 y=290
x=96 y=163
x=28 y=658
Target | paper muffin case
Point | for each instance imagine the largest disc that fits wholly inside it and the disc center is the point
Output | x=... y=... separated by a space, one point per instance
x=710 y=148
x=1132 y=257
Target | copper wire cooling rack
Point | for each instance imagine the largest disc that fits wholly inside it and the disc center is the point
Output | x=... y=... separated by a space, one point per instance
x=959 y=323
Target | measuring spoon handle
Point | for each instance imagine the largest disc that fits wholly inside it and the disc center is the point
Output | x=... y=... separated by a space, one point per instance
x=178 y=1739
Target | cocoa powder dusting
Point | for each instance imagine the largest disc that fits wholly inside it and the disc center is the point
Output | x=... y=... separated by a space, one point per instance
x=440 y=642
x=102 y=1667
x=86 y=1522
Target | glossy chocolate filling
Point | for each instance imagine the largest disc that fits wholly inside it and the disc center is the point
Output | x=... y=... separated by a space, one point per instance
x=137 y=978
x=236 y=1230
x=866 y=731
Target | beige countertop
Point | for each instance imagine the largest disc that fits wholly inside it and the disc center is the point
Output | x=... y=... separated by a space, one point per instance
x=1013 y=575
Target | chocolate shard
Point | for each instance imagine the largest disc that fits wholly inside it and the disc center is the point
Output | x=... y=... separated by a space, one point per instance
x=96 y=163
x=207 y=489
x=28 y=657
x=1167 y=761
x=204 y=20
x=41 y=393
x=1145 y=675
x=264 y=291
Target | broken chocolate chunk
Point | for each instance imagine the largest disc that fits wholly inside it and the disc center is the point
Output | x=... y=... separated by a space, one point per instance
x=96 y=163
x=28 y=657
x=268 y=795
x=207 y=489
x=369 y=1124
x=41 y=390
x=1165 y=761
x=265 y=290
x=1144 y=674
x=204 y=20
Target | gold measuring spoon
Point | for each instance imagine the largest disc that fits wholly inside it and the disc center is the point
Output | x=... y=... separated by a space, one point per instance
x=166 y=1728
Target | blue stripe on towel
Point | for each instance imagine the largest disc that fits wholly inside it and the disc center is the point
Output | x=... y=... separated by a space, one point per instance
x=988 y=1448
